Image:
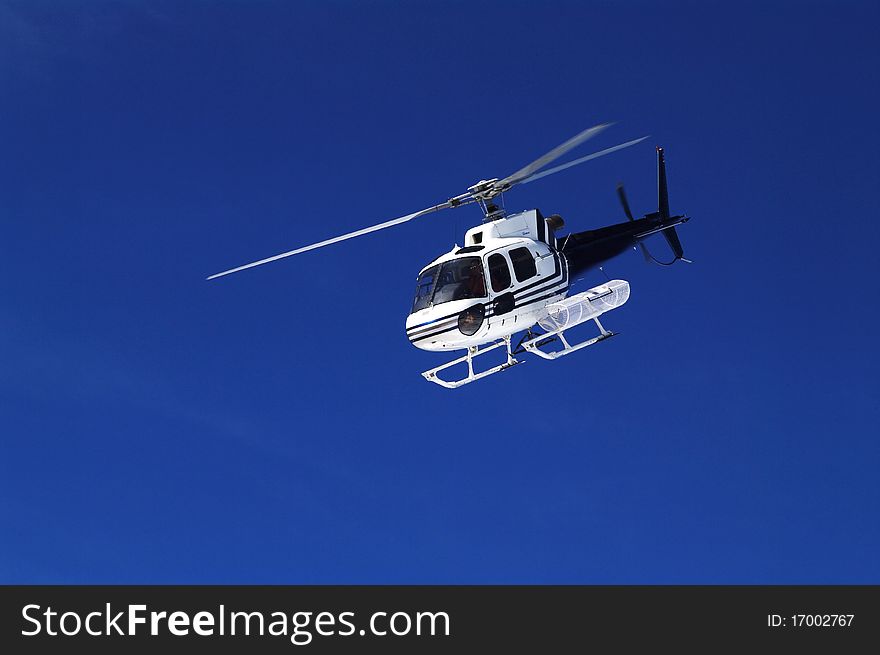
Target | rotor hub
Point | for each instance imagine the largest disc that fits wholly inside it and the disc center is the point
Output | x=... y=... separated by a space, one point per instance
x=485 y=189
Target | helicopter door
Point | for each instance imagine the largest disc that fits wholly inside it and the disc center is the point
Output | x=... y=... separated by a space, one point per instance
x=499 y=275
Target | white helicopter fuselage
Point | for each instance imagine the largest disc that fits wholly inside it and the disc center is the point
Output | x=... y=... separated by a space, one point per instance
x=499 y=283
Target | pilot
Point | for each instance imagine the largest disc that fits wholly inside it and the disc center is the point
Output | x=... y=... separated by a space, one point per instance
x=476 y=288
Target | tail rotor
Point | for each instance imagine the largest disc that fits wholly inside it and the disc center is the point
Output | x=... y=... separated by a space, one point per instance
x=621 y=194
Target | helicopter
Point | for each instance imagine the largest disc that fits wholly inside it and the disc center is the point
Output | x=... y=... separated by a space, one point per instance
x=514 y=272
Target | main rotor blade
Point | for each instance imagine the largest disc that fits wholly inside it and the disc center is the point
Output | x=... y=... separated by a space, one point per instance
x=595 y=155
x=455 y=202
x=554 y=154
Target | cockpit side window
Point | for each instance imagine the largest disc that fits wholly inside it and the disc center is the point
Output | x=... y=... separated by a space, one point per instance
x=523 y=264
x=499 y=272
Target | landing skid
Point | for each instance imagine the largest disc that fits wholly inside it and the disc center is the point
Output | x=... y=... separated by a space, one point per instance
x=531 y=343
x=534 y=345
x=473 y=353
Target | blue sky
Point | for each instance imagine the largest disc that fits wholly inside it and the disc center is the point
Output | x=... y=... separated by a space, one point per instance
x=272 y=427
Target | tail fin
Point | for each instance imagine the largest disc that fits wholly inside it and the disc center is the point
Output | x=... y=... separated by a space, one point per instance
x=663 y=207
x=662 y=191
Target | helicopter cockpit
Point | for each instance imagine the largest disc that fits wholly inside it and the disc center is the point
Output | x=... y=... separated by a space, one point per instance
x=457 y=279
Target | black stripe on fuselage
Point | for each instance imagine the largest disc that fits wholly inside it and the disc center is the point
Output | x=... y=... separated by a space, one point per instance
x=434 y=334
x=556 y=292
x=435 y=326
x=432 y=322
x=542 y=289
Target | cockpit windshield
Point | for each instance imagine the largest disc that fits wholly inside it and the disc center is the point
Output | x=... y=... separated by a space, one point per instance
x=458 y=279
